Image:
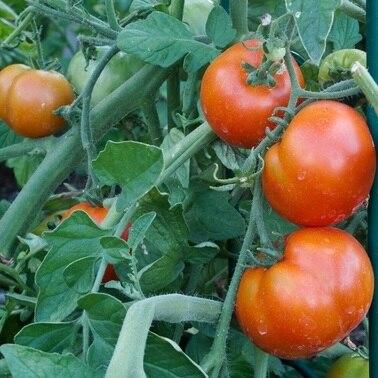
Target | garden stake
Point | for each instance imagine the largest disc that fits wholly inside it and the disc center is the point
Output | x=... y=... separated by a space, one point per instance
x=372 y=62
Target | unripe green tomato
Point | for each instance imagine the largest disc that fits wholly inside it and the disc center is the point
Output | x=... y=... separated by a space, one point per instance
x=349 y=366
x=196 y=13
x=120 y=68
x=337 y=64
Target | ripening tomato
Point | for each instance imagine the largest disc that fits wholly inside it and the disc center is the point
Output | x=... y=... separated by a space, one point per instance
x=97 y=214
x=349 y=366
x=324 y=166
x=238 y=112
x=311 y=299
x=31 y=100
x=7 y=76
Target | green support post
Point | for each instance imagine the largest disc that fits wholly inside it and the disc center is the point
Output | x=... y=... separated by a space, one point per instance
x=372 y=61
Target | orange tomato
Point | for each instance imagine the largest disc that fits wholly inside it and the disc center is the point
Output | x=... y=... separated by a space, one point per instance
x=238 y=112
x=324 y=166
x=7 y=76
x=319 y=292
x=31 y=100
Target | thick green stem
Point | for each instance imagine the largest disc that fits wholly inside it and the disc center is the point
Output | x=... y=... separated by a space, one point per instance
x=58 y=164
x=27 y=147
x=19 y=29
x=127 y=362
x=367 y=84
x=353 y=10
x=111 y=15
x=261 y=363
x=183 y=150
x=239 y=16
x=152 y=120
x=214 y=361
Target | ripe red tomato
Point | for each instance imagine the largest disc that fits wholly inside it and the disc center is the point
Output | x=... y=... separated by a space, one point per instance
x=349 y=366
x=324 y=166
x=238 y=112
x=7 y=76
x=311 y=299
x=31 y=100
x=97 y=214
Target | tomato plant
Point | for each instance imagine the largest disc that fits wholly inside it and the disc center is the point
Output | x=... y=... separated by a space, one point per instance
x=31 y=97
x=349 y=366
x=97 y=214
x=237 y=111
x=120 y=68
x=323 y=168
x=222 y=134
x=323 y=286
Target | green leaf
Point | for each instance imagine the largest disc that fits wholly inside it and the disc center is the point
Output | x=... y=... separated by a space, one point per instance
x=171 y=41
x=164 y=358
x=7 y=12
x=138 y=5
x=7 y=136
x=168 y=233
x=219 y=27
x=99 y=354
x=80 y=274
x=345 y=32
x=24 y=167
x=48 y=337
x=105 y=314
x=115 y=250
x=203 y=207
x=28 y=362
x=201 y=253
x=75 y=238
x=313 y=26
x=160 y=273
x=132 y=165
x=139 y=229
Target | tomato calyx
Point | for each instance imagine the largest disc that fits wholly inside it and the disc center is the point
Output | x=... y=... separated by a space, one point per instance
x=263 y=75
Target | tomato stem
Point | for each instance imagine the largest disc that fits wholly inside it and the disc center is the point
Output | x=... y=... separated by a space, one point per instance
x=20 y=27
x=172 y=308
x=367 y=84
x=239 y=16
x=32 y=146
x=111 y=15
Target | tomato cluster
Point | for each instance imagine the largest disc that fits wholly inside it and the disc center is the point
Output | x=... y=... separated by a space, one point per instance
x=97 y=214
x=316 y=176
x=29 y=97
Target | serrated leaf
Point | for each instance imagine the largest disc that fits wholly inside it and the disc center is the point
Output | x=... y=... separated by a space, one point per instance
x=28 y=362
x=105 y=314
x=226 y=155
x=313 y=27
x=345 y=32
x=75 y=238
x=163 y=357
x=171 y=40
x=139 y=229
x=160 y=273
x=48 y=337
x=132 y=165
x=80 y=274
x=205 y=205
x=219 y=27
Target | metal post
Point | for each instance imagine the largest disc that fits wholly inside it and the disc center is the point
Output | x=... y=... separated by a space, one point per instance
x=372 y=61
